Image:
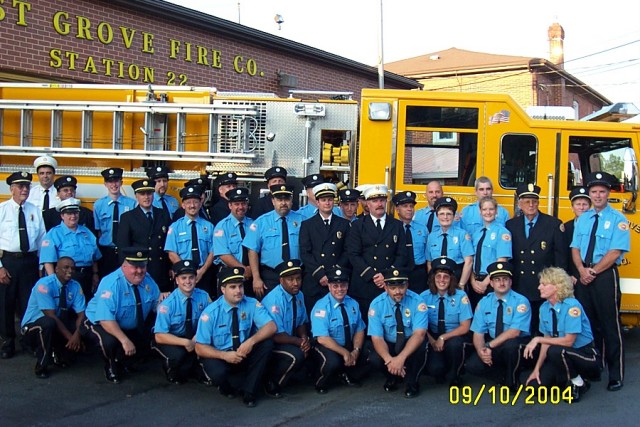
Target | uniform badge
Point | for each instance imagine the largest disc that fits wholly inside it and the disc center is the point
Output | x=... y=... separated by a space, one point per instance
x=339 y=234
x=205 y=229
x=455 y=240
x=509 y=311
x=543 y=245
x=574 y=312
x=562 y=227
x=295 y=223
x=421 y=307
x=607 y=224
x=623 y=226
x=146 y=288
x=465 y=300
x=353 y=310
x=452 y=303
x=164 y=228
x=395 y=239
x=492 y=236
x=243 y=316
x=407 y=312
x=522 y=308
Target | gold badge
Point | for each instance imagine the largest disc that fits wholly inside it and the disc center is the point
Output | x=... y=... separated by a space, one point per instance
x=530 y=187
x=396 y=272
x=562 y=227
x=145 y=182
x=509 y=311
x=395 y=239
x=243 y=316
x=236 y=271
x=139 y=254
x=290 y=264
x=407 y=312
x=543 y=245
x=339 y=234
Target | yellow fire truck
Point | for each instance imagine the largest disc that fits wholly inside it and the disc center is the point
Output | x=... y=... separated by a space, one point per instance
x=403 y=139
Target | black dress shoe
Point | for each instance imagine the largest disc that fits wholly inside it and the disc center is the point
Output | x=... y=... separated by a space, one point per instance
x=411 y=391
x=578 y=391
x=249 y=400
x=272 y=389
x=456 y=382
x=227 y=390
x=205 y=381
x=59 y=361
x=41 y=372
x=320 y=389
x=7 y=353
x=614 y=385
x=348 y=381
x=111 y=375
x=391 y=384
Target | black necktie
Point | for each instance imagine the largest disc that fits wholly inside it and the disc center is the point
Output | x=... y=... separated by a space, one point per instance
x=45 y=201
x=326 y=223
x=245 y=251
x=478 y=260
x=409 y=237
x=195 y=249
x=188 y=322
x=139 y=314
x=235 y=328
x=430 y=221
x=441 y=329
x=294 y=315
x=286 y=254
x=164 y=206
x=530 y=228
x=348 y=341
x=554 y=322
x=22 y=230
x=378 y=224
x=592 y=242
x=399 y=330
x=115 y=222
x=445 y=246
x=500 y=318
x=149 y=217
x=62 y=303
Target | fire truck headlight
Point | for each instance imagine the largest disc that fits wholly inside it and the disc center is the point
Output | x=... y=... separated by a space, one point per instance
x=379 y=111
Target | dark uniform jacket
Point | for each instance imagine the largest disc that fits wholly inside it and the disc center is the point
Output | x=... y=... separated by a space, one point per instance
x=220 y=210
x=322 y=247
x=371 y=251
x=545 y=247
x=52 y=218
x=569 y=226
x=136 y=230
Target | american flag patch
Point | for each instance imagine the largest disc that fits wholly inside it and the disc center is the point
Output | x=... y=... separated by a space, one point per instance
x=320 y=313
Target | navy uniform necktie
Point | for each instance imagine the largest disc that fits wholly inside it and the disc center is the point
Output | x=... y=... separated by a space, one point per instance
x=399 y=330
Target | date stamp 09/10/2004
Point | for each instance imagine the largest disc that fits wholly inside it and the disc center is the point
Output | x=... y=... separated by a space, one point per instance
x=503 y=395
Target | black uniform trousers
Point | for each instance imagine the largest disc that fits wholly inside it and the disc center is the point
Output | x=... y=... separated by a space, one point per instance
x=270 y=278
x=111 y=349
x=474 y=297
x=564 y=363
x=109 y=261
x=43 y=336
x=84 y=276
x=177 y=362
x=286 y=359
x=250 y=370
x=330 y=363
x=14 y=297
x=507 y=360
x=448 y=363
x=414 y=364
x=208 y=282
x=601 y=303
x=418 y=278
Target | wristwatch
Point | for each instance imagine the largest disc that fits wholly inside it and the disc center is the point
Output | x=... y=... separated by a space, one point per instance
x=488 y=344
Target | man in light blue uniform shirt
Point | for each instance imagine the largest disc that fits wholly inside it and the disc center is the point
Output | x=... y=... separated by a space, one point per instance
x=48 y=324
x=500 y=329
x=229 y=233
x=180 y=242
x=268 y=243
x=337 y=326
x=398 y=323
x=285 y=304
x=176 y=323
x=348 y=203
x=106 y=223
x=417 y=235
x=234 y=337
x=121 y=313
x=470 y=218
x=162 y=200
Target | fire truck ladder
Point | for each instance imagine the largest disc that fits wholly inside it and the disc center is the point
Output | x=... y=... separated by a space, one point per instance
x=156 y=144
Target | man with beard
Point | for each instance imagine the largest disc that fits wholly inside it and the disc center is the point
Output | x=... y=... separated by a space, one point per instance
x=272 y=239
x=162 y=200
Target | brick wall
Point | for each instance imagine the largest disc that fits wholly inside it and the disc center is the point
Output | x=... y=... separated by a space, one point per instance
x=31 y=46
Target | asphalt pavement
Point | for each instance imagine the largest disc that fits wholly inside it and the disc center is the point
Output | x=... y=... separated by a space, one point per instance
x=79 y=396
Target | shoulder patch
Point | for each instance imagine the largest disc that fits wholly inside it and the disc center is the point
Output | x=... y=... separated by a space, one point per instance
x=163 y=309
x=422 y=307
x=506 y=237
x=45 y=243
x=42 y=289
x=219 y=233
x=574 y=312
x=522 y=308
x=621 y=225
x=465 y=300
x=275 y=309
x=204 y=317
x=467 y=237
x=372 y=312
x=253 y=227
x=319 y=313
x=106 y=295
x=170 y=230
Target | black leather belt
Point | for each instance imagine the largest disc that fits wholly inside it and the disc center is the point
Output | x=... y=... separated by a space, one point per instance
x=83 y=269
x=19 y=254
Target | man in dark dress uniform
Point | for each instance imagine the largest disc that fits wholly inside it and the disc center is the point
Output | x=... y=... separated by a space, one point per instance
x=538 y=242
x=146 y=226
x=66 y=187
x=223 y=183
x=322 y=244
x=376 y=243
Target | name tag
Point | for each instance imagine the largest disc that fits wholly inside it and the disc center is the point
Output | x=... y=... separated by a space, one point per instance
x=182 y=234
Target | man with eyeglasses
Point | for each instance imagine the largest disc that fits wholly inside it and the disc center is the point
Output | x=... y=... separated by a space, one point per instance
x=538 y=242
